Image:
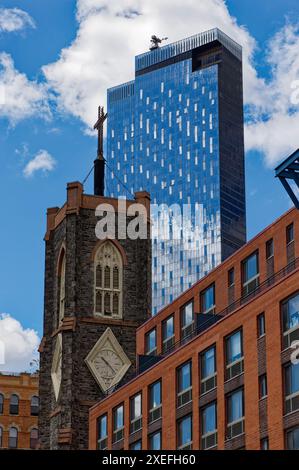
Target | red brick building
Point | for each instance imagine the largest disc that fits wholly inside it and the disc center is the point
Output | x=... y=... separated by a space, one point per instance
x=215 y=366
x=19 y=406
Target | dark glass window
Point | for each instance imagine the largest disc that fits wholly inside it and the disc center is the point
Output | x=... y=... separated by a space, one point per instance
x=208 y=363
x=234 y=347
x=261 y=325
x=291 y=313
x=293 y=439
x=184 y=377
x=14 y=405
x=263 y=390
x=265 y=444
x=187 y=315
x=136 y=445
x=231 y=277
x=290 y=233
x=208 y=299
x=292 y=379
x=168 y=328
x=1 y=403
x=209 y=419
x=33 y=438
x=269 y=248
x=151 y=342
x=13 y=438
x=1 y=436
x=155 y=397
x=34 y=406
x=155 y=441
x=250 y=268
x=235 y=407
x=102 y=427
x=185 y=432
x=136 y=407
x=118 y=418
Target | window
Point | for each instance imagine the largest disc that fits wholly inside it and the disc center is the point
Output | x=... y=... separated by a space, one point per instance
x=208 y=300
x=261 y=325
x=290 y=233
x=234 y=355
x=108 y=279
x=265 y=444
x=136 y=413
x=291 y=382
x=168 y=333
x=62 y=265
x=102 y=432
x=250 y=272
x=209 y=426
x=290 y=319
x=184 y=383
x=187 y=320
x=1 y=437
x=136 y=445
x=231 y=277
x=118 y=423
x=13 y=438
x=235 y=414
x=14 y=405
x=269 y=249
x=293 y=439
x=155 y=401
x=34 y=406
x=151 y=342
x=1 y=403
x=208 y=369
x=263 y=389
x=33 y=438
x=155 y=441
x=184 y=433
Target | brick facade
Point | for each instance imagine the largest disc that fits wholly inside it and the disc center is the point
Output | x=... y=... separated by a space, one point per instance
x=64 y=423
x=25 y=386
x=264 y=418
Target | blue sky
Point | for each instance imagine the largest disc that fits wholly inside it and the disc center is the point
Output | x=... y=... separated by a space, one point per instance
x=69 y=93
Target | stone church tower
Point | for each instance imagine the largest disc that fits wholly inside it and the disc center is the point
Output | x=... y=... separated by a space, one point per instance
x=97 y=292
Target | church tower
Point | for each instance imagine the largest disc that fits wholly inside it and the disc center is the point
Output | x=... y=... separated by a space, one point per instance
x=97 y=292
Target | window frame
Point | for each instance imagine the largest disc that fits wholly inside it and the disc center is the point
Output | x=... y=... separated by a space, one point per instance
x=151 y=436
x=202 y=355
x=212 y=308
x=10 y=438
x=203 y=409
x=34 y=409
x=263 y=386
x=261 y=332
x=181 y=446
x=16 y=405
x=229 y=397
x=150 y=396
x=290 y=229
x=246 y=282
x=227 y=339
x=269 y=243
x=151 y=351
x=179 y=380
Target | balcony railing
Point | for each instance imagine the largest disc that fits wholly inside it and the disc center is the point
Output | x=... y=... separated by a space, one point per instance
x=204 y=321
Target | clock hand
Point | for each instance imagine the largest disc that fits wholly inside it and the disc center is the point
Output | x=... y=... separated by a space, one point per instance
x=109 y=365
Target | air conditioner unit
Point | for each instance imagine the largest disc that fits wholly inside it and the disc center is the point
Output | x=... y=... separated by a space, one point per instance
x=292 y=404
x=290 y=336
x=118 y=435
x=155 y=414
x=234 y=369
x=102 y=444
x=136 y=425
x=185 y=397
x=235 y=429
x=208 y=384
x=250 y=287
x=209 y=440
x=168 y=344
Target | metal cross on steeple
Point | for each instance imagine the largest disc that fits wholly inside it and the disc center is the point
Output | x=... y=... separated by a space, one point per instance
x=99 y=125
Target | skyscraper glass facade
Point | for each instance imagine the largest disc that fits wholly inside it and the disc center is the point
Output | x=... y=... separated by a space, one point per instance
x=165 y=136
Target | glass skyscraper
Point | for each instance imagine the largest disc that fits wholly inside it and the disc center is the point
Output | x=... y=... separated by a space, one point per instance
x=177 y=132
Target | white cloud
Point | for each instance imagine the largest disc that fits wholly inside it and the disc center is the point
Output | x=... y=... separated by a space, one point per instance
x=18 y=344
x=14 y=19
x=42 y=161
x=110 y=34
x=20 y=98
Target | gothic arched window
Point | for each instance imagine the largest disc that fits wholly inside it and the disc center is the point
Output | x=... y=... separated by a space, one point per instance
x=108 y=281
x=61 y=276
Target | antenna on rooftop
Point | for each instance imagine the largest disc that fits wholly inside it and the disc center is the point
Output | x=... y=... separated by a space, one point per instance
x=155 y=42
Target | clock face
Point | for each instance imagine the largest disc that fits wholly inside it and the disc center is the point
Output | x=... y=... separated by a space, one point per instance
x=108 y=364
